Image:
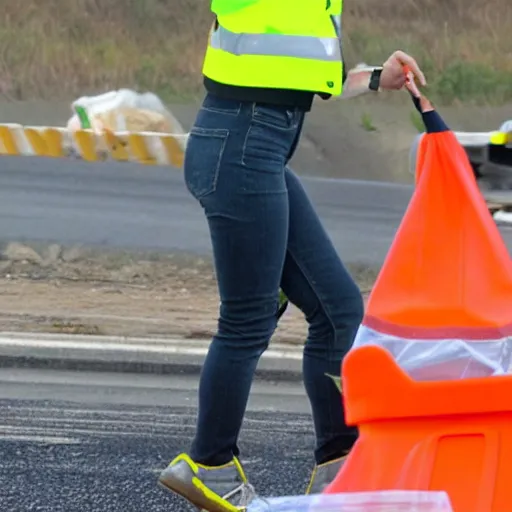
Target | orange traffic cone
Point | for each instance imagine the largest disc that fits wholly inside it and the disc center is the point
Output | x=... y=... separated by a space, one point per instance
x=437 y=326
x=446 y=285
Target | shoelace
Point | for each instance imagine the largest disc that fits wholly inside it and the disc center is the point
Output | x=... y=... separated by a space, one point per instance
x=247 y=494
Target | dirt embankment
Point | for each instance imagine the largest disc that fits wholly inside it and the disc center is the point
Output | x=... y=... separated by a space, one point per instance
x=79 y=291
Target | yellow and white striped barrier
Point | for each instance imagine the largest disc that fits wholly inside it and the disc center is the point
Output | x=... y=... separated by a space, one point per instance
x=149 y=148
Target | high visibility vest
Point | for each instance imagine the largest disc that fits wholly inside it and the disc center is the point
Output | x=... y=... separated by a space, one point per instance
x=280 y=44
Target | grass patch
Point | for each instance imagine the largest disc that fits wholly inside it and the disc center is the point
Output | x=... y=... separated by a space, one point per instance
x=58 y=47
x=367 y=123
x=65 y=327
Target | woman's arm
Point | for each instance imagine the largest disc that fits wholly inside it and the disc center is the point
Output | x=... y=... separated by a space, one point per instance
x=361 y=80
x=390 y=76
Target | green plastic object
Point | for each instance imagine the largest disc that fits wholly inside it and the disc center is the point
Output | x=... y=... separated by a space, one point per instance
x=81 y=112
x=282 y=298
x=283 y=304
x=336 y=380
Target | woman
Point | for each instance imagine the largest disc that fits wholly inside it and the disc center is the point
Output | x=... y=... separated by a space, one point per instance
x=264 y=65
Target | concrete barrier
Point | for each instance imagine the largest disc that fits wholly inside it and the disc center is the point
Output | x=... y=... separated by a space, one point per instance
x=149 y=148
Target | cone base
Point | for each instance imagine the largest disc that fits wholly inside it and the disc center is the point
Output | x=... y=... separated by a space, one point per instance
x=445 y=359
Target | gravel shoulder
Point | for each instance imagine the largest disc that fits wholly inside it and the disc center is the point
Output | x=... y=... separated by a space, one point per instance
x=88 y=291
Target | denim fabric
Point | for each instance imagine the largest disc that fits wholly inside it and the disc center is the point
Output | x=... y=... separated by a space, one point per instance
x=265 y=234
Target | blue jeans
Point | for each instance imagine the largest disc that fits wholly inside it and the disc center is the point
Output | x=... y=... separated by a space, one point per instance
x=265 y=235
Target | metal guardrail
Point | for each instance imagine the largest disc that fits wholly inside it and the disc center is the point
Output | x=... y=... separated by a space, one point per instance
x=485 y=148
x=479 y=146
x=149 y=148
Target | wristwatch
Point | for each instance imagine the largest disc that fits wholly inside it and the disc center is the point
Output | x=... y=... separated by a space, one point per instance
x=375 y=79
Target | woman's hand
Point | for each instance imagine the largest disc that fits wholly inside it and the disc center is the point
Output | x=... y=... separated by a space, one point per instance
x=393 y=76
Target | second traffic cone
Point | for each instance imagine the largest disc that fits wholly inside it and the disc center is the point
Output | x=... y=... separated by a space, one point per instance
x=452 y=435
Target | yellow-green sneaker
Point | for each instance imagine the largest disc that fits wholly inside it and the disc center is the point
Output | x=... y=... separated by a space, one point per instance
x=214 y=489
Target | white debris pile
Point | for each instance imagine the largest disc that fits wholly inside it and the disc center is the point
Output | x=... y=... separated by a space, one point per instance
x=123 y=110
x=121 y=113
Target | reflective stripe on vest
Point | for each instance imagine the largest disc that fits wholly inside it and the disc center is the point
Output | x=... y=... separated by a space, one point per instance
x=305 y=47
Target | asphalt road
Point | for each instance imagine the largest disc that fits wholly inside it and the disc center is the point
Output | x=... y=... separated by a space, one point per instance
x=78 y=442
x=136 y=207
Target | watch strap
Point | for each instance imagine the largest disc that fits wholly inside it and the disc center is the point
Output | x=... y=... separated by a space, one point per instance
x=375 y=79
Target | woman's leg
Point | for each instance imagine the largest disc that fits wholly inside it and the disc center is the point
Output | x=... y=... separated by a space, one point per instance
x=248 y=221
x=235 y=167
x=316 y=281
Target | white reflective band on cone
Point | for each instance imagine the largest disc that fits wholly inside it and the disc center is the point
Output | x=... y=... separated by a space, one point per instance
x=278 y=45
x=443 y=359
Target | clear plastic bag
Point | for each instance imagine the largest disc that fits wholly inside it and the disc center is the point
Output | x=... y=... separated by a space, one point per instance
x=376 y=501
x=123 y=110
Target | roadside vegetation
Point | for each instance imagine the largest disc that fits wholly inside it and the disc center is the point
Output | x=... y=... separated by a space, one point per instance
x=65 y=48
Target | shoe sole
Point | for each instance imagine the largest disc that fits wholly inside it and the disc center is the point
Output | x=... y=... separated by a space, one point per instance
x=197 y=498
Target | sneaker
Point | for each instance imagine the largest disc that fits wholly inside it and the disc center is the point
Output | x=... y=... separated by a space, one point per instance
x=214 y=489
x=324 y=474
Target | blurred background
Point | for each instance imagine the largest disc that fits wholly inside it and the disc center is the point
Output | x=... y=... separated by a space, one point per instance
x=54 y=51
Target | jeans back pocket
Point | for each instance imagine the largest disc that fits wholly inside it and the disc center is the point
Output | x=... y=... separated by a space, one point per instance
x=203 y=158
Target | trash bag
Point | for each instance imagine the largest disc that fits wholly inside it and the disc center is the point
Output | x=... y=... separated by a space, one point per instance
x=123 y=110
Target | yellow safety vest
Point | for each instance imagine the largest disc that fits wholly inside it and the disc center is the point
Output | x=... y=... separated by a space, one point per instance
x=277 y=44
